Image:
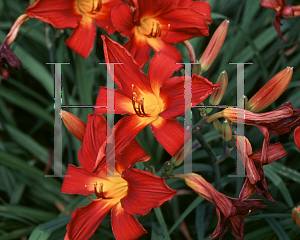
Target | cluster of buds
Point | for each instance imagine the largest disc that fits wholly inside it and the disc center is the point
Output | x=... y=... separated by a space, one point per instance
x=7 y=57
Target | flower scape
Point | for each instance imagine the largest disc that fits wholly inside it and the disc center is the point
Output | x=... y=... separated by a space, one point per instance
x=154 y=134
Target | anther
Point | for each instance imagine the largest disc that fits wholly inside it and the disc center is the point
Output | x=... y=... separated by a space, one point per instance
x=157 y=30
x=97 y=8
x=99 y=194
x=139 y=109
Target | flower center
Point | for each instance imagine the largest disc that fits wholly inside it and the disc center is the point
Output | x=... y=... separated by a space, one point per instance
x=89 y=6
x=115 y=187
x=152 y=28
x=146 y=106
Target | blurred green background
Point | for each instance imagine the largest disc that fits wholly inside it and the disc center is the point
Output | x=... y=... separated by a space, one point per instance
x=31 y=205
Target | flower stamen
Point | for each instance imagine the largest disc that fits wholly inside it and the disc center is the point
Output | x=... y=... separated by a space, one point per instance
x=139 y=109
x=157 y=30
x=96 y=9
x=99 y=194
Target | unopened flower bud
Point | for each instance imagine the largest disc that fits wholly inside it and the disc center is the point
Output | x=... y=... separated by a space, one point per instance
x=168 y=166
x=214 y=46
x=181 y=154
x=74 y=124
x=196 y=68
x=226 y=131
x=152 y=169
x=217 y=125
x=270 y=91
x=216 y=96
x=296 y=215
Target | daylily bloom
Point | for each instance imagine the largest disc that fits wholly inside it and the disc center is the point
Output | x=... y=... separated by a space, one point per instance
x=80 y=15
x=254 y=167
x=231 y=211
x=7 y=57
x=270 y=91
x=74 y=124
x=130 y=192
x=156 y=99
x=159 y=24
x=297 y=137
x=283 y=10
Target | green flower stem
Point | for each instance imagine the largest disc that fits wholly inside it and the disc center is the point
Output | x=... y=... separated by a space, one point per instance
x=212 y=156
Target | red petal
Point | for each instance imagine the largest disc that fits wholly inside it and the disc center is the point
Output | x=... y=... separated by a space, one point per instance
x=132 y=154
x=182 y=27
x=170 y=134
x=152 y=7
x=103 y=19
x=127 y=128
x=85 y=220
x=159 y=44
x=128 y=72
x=124 y=225
x=93 y=141
x=82 y=39
x=204 y=8
x=297 y=137
x=123 y=104
x=61 y=14
x=145 y=191
x=139 y=49
x=122 y=17
x=175 y=100
x=78 y=180
x=161 y=68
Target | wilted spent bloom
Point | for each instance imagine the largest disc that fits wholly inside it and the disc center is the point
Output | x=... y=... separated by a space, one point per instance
x=214 y=46
x=181 y=154
x=226 y=131
x=283 y=10
x=230 y=211
x=7 y=57
x=296 y=215
x=270 y=91
x=216 y=96
x=297 y=137
x=74 y=124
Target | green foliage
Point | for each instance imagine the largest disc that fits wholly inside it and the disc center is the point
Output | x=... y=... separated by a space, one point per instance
x=32 y=205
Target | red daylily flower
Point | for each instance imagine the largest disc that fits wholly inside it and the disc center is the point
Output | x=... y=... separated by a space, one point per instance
x=158 y=24
x=297 y=137
x=231 y=211
x=156 y=99
x=80 y=15
x=130 y=192
x=283 y=10
x=254 y=167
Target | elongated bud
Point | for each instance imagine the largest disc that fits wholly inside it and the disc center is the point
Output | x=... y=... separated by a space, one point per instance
x=226 y=130
x=74 y=124
x=13 y=33
x=197 y=68
x=217 y=125
x=180 y=155
x=296 y=215
x=270 y=91
x=152 y=169
x=296 y=10
x=216 y=96
x=214 y=46
x=297 y=137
